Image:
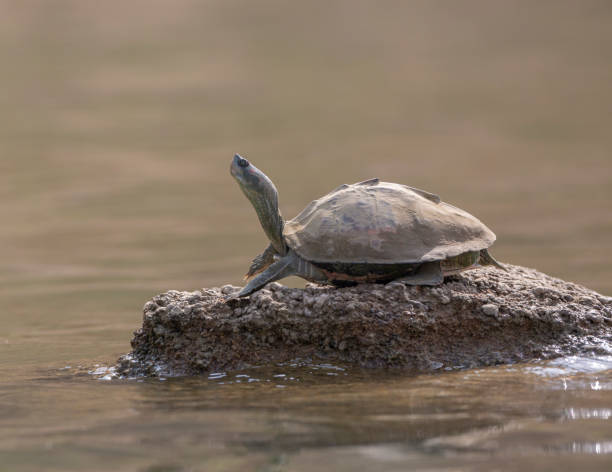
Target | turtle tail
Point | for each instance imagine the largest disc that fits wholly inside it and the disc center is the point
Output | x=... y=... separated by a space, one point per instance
x=487 y=259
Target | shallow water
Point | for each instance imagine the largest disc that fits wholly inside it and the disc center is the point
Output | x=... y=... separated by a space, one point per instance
x=287 y=417
x=117 y=126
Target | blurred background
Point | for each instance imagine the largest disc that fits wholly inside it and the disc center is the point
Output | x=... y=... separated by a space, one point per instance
x=118 y=121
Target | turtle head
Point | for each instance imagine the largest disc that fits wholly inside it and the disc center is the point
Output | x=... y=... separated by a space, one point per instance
x=263 y=195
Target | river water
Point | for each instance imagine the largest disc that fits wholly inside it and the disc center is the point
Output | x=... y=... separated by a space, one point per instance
x=117 y=126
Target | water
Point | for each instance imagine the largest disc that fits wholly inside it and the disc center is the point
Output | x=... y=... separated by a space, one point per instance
x=117 y=126
x=300 y=417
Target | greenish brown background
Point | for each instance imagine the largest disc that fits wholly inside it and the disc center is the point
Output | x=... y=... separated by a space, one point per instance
x=118 y=121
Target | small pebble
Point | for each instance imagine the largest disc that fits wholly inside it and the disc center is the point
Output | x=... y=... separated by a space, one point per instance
x=176 y=310
x=490 y=309
x=593 y=316
x=149 y=306
x=605 y=300
x=226 y=289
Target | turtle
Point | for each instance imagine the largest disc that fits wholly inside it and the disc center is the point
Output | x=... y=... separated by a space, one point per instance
x=367 y=232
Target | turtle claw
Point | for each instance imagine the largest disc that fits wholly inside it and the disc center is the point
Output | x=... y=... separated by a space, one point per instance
x=234 y=300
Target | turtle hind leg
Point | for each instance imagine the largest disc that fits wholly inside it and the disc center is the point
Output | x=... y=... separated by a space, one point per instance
x=487 y=259
x=428 y=273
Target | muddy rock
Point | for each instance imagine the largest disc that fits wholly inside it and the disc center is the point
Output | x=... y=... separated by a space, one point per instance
x=482 y=317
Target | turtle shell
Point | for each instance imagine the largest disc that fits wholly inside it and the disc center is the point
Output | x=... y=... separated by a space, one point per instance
x=383 y=223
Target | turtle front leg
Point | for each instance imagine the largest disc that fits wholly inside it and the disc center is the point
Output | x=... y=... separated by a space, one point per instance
x=282 y=268
x=291 y=264
x=261 y=262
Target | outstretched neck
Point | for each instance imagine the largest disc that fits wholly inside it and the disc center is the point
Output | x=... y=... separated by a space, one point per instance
x=270 y=218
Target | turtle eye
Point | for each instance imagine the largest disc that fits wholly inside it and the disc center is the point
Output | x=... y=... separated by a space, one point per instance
x=243 y=162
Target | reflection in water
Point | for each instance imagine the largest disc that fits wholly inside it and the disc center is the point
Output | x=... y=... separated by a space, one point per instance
x=487 y=410
x=586 y=413
x=382 y=418
x=591 y=448
x=299 y=415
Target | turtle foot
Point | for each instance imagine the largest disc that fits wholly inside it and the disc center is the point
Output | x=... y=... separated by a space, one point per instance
x=429 y=273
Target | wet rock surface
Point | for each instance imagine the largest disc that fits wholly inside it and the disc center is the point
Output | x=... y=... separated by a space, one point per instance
x=482 y=317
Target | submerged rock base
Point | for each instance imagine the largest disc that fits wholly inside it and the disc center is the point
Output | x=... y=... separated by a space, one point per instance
x=482 y=317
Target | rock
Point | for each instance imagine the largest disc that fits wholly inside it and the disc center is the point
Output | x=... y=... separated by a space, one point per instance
x=227 y=289
x=481 y=317
x=604 y=300
x=490 y=309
